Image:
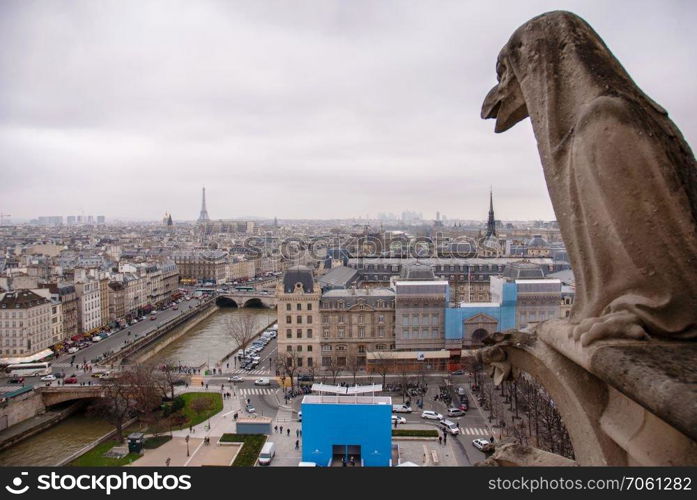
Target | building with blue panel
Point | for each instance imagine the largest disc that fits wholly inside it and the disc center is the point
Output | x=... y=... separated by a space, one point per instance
x=336 y=427
x=521 y=298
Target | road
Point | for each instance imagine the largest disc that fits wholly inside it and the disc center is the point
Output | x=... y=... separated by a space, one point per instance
x=111 y=344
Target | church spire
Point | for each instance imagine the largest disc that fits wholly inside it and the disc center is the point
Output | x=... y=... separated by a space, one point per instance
x=491 y=223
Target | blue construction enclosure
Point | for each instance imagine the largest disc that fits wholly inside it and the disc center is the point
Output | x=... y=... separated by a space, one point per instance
x=347 y=426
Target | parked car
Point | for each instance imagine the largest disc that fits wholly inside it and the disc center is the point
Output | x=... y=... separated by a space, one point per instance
x=180 y=381
x=153 y=317
x=262 y=381
x=73 y=350
x=455 y=412
x=398 y=419
x=234 y=378
x=306 y=378
x=48 y=378
x=96 y=338
x=16 y=380
x=70 y=380
x=450 y=426
x=480 y=443
x=59 y=374
x=431 y=415
x=458 y=372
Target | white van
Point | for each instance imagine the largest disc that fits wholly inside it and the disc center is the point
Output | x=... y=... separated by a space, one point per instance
x=267 y=453
x=450 y=426
x=401 y=409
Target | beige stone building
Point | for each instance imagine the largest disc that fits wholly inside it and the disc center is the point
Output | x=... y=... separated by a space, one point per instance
x=298 y=296
x=355 y=322
x=25 y=325
x=69 y=305
x=104 y=298
x=89 y=313
x=117 y=300
x=202 y=265
x=170 y=278
x=240 y=268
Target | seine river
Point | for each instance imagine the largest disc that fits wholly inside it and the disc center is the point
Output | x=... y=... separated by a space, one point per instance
x=208 y=342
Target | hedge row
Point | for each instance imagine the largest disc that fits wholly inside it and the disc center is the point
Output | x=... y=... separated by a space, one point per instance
x=252 y=444
x=415 y=432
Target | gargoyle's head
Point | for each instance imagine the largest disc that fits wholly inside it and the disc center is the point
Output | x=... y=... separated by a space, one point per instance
x=505 y=101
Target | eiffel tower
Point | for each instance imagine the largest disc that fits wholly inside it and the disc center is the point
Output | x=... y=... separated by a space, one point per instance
x=203 y=216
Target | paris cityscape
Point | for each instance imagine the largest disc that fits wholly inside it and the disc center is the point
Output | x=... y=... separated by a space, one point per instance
x=190 y=278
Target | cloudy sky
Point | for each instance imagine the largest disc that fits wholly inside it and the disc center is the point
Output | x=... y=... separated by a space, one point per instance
x=294 y=109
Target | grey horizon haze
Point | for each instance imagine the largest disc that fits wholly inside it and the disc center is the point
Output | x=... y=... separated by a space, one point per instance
x=303 y=109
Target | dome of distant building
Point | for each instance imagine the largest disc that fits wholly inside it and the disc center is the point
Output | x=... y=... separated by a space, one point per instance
x=417 y=272
x=298 y=275
x=523 y=271
x=537 y=241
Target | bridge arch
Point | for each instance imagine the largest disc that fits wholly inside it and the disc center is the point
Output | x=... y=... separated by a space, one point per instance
x=255 y=303
x=223 y=301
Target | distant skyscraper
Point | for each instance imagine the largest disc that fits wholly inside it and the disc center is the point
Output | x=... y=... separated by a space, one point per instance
x=491 y=223
x=203 y=217
x=101 y=219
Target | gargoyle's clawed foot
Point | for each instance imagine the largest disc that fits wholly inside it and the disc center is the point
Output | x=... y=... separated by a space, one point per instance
x=617 y=325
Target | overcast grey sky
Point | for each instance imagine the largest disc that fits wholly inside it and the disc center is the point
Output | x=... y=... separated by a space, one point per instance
x=293 y=109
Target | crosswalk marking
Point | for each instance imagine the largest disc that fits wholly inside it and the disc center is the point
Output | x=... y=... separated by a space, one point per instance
x=256 y=392
x=474 y=431
x=251 y=372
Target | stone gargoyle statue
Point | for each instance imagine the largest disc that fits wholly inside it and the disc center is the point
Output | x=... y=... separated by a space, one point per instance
x=621 y=178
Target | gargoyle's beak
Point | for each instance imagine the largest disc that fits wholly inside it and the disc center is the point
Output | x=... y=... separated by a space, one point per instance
x=490 y=107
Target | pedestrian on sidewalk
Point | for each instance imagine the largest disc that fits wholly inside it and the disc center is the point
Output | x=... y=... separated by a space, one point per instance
x=440 y=440
x=275 y=428
x=445 y=439
x=297 y=432
x=288 y=433
x=281 y=429
x=297 y=444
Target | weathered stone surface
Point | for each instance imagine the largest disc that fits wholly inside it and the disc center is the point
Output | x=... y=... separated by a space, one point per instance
x=510 y=453
x=661 y=376
x=622 y=179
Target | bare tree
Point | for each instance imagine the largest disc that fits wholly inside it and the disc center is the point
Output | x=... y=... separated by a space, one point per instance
x=352 y=365
x=242 y=328
x=333 y=368
x=132 y=394
x=383 y=364
x=166 y=378
x=287 y=363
